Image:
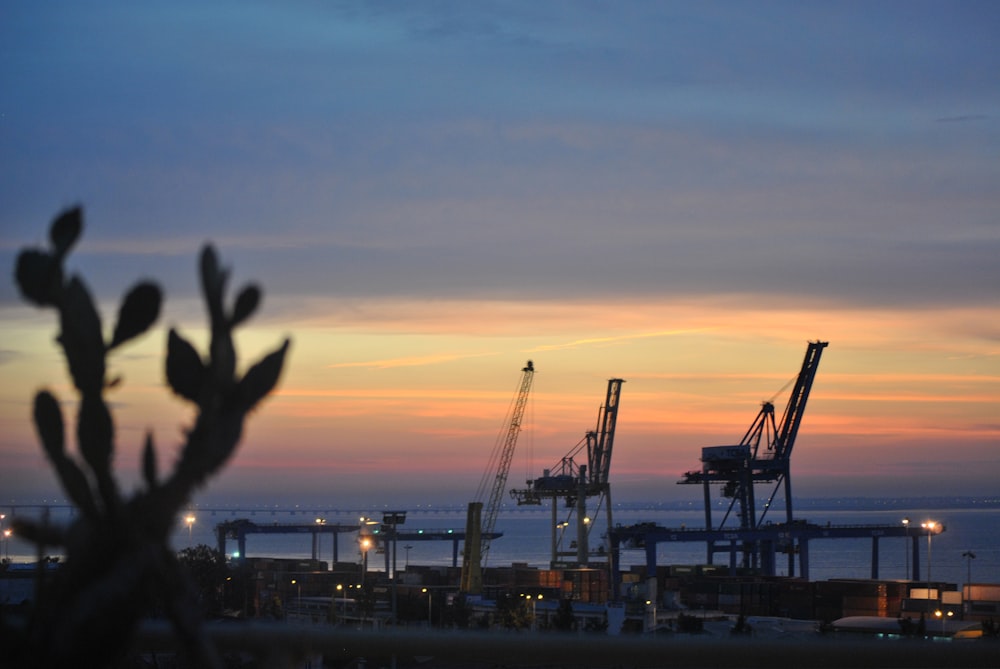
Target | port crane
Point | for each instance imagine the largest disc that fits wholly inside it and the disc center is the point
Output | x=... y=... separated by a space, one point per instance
x=479 y=525
x=574 y=482
x=763 y=456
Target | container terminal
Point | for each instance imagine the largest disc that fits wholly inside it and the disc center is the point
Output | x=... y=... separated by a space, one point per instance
x=745 y=550
x=584 y=586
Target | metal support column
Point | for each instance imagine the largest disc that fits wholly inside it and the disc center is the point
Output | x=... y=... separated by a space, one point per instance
x=650 y=558
x=875 y=558
x=614 y=564
x=804 y=558
x=708 y=520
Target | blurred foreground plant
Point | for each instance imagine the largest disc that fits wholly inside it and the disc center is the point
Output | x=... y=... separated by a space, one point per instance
x=118 y=555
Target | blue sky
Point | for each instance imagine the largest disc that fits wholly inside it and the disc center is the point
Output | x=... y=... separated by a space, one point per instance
x=455 y=181
x=855 y=140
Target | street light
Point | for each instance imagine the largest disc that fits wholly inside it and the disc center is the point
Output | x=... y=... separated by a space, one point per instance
x=343 y=601
x=969 y=556
x=365 y=542
x=930 y=526
x=189 y=521
x=299 y=604
x=427 y=592
x=942 y=615
x=318 y=539
x=906 y=548
x=392 y=519
x=533 y=601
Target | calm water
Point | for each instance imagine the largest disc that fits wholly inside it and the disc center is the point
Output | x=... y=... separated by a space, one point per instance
x=527 y=539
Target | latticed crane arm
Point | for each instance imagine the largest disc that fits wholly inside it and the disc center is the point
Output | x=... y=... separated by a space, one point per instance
x=506 y=455
x=600 y=453
x=797 y=402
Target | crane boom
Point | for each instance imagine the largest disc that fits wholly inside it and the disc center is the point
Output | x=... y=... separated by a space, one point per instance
x=479 y=526
x=506 y=456
x=600 y=456
x=797 y=402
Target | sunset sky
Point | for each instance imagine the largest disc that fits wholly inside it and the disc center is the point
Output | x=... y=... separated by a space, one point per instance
x=678 y=194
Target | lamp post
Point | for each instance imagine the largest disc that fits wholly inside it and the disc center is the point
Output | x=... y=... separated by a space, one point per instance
x=365 y=543
x=189 y=521
x=430 y=622
x=906 y=548
x=298 y=604
x=319 y=539
x=392 y=519
x=407 y=547
x=532 y=600
x=343 y=602
x=969 y=557
x=930 y=526
x=943 y=615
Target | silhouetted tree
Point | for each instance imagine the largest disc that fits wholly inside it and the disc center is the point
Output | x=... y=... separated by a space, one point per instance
x=564 y=620
x=596 y=626
x=458 y=612
x=690 y=624
x=513 y=612
x=208 y=570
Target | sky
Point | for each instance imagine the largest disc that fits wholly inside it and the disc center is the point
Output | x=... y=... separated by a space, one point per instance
x=681 y=195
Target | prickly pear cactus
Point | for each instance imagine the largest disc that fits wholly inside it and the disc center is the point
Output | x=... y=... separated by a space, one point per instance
x=118 y=557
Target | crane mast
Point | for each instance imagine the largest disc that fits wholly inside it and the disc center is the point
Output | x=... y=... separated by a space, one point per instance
x=575 y=482
x=763 y=455
x=480 y=524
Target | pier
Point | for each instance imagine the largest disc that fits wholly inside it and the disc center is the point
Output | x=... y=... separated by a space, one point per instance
x=240 y=528
x=768 y=540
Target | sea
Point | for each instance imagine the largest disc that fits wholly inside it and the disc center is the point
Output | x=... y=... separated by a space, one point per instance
x=967 y=551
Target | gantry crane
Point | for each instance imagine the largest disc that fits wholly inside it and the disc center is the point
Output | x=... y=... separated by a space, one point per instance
x=574 y=482
x=762 y=456
x=479 y=527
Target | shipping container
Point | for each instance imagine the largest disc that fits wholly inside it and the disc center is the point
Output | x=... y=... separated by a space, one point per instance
x=983 y=592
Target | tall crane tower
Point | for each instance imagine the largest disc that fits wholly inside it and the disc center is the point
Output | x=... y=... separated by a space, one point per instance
x=574 y=482
x=479 y=527
x=763 y=456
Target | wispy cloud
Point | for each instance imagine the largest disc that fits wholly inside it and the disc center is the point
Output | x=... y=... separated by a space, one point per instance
x=597 y=341
x=410 y=361
x=964 y=118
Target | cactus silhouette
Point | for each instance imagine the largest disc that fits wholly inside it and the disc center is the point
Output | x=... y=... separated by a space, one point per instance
x=118 y=557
